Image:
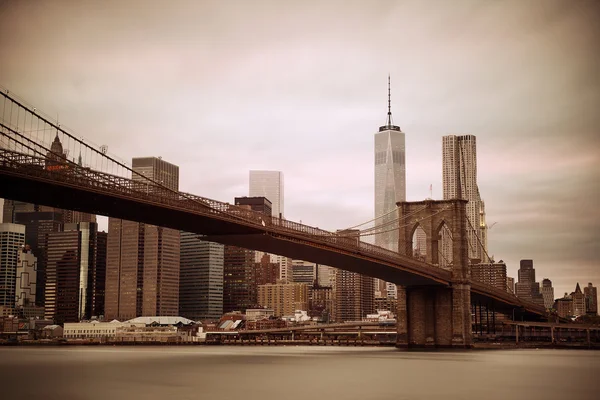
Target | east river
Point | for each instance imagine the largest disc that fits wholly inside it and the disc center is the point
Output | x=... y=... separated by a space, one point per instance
x=308 y=373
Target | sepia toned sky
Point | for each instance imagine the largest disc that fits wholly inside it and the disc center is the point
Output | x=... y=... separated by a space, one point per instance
x=222 y=87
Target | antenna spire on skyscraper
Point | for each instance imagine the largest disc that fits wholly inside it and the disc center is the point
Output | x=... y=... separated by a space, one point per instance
x=389 y=119
x=389 y=126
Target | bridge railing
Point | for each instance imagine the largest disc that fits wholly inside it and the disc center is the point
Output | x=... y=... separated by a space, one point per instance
x=74 y=174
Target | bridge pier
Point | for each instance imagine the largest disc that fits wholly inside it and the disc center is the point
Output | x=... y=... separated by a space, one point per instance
x=434 y=316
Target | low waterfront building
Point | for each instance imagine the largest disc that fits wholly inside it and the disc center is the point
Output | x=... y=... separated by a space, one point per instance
x=91 y=330
x=254 y=314
x=52 y=332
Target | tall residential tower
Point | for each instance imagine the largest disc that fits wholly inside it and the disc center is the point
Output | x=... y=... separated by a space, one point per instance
x=459 y=178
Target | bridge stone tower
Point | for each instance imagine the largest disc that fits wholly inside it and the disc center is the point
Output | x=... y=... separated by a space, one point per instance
x=435 y=316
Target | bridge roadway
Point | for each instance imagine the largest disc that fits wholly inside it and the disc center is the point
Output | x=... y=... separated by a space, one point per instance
x=25 y=178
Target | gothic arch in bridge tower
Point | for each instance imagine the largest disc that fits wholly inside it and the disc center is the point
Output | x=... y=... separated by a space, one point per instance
x=435 y=315
x=435 y=218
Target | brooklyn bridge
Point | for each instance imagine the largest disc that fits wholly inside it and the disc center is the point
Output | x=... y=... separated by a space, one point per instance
x=435 y=305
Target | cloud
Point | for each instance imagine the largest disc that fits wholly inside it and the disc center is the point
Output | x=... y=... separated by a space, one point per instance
x=220 y=89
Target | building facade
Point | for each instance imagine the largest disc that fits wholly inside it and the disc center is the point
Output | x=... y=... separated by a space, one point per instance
x=142 y=273
x=493 y=274
x=510 y=284
x=12 y=240
x=240 y=265
x=304 y=272
x=38 y=224
x=390 y=178
x=25 y=284
x=72 y=290
x=564 y=306
x=548 y=293
x=268 y=184
x=283 y=298
x=354 y=296
x=459 y=180
x=527 y=288
x=591 y=299
x=578 y=301
x=201 y=278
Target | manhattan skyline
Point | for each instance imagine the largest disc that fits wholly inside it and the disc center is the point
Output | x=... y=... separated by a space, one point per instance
x=198 y=90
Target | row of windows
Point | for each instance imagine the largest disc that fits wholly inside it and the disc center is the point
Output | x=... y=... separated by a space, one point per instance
x=398 y=157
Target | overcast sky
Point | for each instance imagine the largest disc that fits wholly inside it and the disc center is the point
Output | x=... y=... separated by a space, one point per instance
x=223 y=87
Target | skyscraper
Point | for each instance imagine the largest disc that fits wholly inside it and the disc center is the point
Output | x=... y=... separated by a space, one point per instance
x=26 y=278
x=510 y=284
x=493 y=274
x=12 y=239
x=354 y=293
x=142 y=273
x=390 y=178
x=527 y=288
x=201 y=278
x=240 y=265
x=591 y=299
x=38 y=223
x=390 y=186
x=548 y=293
x=72 y=268
x=459 y=178
x=268 y=184
x=578 y=301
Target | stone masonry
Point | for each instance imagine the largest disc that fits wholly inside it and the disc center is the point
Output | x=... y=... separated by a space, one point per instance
x=435 y=316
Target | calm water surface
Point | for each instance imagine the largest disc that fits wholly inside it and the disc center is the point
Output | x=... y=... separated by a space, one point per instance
x=308 y=373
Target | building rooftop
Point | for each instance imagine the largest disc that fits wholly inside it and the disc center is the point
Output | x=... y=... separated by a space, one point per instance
x=160 y=320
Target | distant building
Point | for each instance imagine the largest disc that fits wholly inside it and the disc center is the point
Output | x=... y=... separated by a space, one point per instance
x=240 y=265
x=354 y=296
x=326 y=275
x=26 y=278
x=254 y=314
x=493 y=274
x=304 y=272
x=142 y=273
x=389 y=185
x=267 y=271
x=510 y=284
x=12 y=240
x=268 y=184
x=321 y=303
x=72 y=269
x=578 y=301
x=386 y=304
x=390 y=177
x=38 y=224
x=354 y=293
x=201 y=278
x=564 y=306
x=283 y=298
x=527 y=288
x=459 y=179
x=548 y=293
x=591 y=299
